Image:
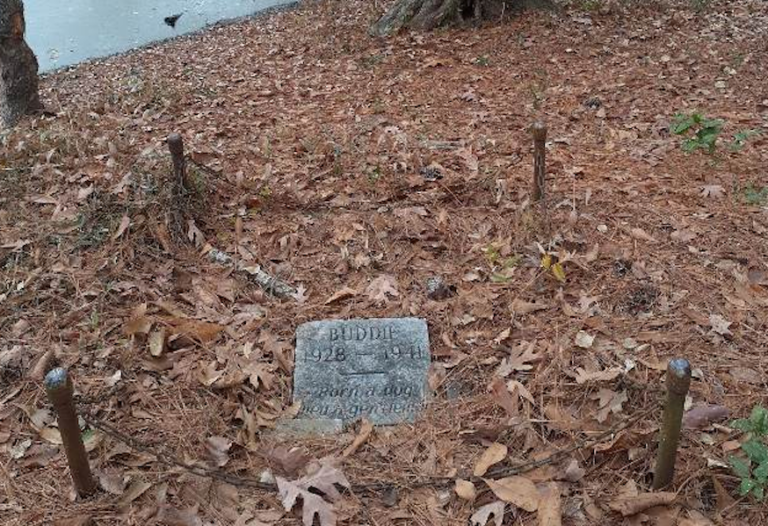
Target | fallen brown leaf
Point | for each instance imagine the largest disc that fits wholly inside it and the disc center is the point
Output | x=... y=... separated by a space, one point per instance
x=523 y=307
x=631 y=505
x=484 y=514
x=218 y=448
x=340 y=295
x=381 y=288
x=465 y=490
x=550 y=506
x=702 y=415
x=493 y=455
x=516 y=490
x=366 y=429
x=137 y=488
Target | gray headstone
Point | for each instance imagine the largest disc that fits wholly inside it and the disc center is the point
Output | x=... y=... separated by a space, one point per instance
x=375 y=368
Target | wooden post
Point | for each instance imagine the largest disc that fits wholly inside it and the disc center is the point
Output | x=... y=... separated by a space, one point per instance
x=176 y=147
x=58 y=385
x=678 y=382
x=539 y=132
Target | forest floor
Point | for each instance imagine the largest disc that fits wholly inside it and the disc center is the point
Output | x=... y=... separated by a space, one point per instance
x=355 y=169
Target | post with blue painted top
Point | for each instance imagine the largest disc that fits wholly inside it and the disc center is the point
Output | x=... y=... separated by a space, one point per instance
x=678 y=383
x=59 y=387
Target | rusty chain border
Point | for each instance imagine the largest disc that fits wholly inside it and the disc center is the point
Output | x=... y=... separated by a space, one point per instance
x=171 y=460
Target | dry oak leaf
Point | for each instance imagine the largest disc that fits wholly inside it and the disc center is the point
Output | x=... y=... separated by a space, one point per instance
x=483 y=514
x=340 y=295
x=516 y=490
x=381 y=288
x=111 y=482
x=550 y=506
x=502 y=396
x=642 y=235
x=695 y=518
x=170 y=516
x=135 y=490
x=584 y=340
x=493 y=455
x=78 y=520
x=139 y=322
x=125 y=222
x=746 y=375
x=634 y=504
x=290 y=460
x=719 y=324
x=520 y=359
x=366 y=428
x=260 y=374
x=712 y=190
x=609 y=402
x=157 y=342
x=201 y=331
x=523 y=307
x=312 y=504
x=325 y=481
x=217 y=449
x=583 y=376
x=702 y=415
x=465 y=490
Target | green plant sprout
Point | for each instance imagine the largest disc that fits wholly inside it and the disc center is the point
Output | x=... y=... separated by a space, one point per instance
x=752 y=470
x=754 y=195
x=703 y=133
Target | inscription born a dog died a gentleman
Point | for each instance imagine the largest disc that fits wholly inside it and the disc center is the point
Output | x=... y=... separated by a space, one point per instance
x=374 y=368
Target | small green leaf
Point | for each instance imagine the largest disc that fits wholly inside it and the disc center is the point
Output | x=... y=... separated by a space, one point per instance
x=682 y=124
x=755 y=450
x=742 y=424
x=740 y=467
x=746 y=486
x=690 y=145
x=758 y=492
x=759 y=420
x=761 y=473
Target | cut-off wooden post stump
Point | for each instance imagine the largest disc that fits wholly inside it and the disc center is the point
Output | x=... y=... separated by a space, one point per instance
x=678 y=382
x=539 y=132
x=58 y=385
x=176 y=147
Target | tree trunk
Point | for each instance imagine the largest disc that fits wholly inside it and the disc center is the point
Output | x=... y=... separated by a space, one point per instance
x=18 y=67
x=419 y=14
x=426 y=15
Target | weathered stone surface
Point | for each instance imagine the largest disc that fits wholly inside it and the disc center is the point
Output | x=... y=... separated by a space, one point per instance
x=374 y=368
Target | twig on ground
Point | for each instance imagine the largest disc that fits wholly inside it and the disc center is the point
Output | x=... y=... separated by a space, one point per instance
x=267 y=282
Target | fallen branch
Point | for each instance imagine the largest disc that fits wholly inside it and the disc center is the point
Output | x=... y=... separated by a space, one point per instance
x=270 y=284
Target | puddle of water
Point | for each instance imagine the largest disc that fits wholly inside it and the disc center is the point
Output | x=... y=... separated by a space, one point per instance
x=62 y=33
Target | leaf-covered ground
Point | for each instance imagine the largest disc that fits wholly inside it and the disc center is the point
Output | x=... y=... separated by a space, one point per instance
x=356 y=169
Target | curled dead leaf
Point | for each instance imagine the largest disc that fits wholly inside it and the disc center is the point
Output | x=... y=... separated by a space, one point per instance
x=341 y=295
x=702 y=415
x=465 y=490
x=493 y=455
x=516 y=490
x=484 y=514
x=218 y=448
x=381 y=288
x=137 y=488
x=550 y=505
x=521 y=307
x=634 y=504
x=365 y=431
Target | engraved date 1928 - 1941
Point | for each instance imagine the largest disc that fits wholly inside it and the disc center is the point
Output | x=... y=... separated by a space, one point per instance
x=340 y=354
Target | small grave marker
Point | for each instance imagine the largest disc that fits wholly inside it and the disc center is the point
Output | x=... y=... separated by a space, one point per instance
x=372 y=368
